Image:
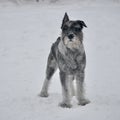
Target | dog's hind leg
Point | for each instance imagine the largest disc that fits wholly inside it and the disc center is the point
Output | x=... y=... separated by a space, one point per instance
x=80 y=89
x=51 y=68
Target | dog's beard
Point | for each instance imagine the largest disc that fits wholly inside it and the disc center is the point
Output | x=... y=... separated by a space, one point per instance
x=72 y=44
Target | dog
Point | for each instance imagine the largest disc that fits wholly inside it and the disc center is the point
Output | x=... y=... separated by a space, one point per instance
x=68 y=54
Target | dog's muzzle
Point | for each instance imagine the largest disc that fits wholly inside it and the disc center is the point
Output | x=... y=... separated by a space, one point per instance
x=71 y=36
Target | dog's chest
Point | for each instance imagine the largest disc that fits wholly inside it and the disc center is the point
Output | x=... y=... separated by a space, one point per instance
x=71 y=62
x=68 y=61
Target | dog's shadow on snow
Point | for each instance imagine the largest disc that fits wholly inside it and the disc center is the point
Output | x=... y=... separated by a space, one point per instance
x=53 y=100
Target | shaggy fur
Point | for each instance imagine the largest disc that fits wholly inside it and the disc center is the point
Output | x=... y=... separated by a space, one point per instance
x=68 y=54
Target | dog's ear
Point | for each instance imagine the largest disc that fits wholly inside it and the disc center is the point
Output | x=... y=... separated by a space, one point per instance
x=82 y=23
x=65 y=19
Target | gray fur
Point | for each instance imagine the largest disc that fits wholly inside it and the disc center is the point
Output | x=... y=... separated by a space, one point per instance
x=68 y=54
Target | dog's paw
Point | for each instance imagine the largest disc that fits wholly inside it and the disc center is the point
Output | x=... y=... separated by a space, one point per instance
x=83 y=102
x=65 y=105
x=43 y=94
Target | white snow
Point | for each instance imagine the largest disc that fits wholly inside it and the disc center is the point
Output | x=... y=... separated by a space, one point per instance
x=26 y=35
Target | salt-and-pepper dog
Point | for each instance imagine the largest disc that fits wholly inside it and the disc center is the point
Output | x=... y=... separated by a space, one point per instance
x=68 y=54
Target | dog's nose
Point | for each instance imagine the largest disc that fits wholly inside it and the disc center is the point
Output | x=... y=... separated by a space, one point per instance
x=70 y=36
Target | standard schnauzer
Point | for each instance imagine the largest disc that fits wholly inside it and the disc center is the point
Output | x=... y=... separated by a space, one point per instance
x=68 y=54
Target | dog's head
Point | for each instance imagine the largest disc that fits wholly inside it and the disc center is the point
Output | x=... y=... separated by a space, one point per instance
x=72 y=35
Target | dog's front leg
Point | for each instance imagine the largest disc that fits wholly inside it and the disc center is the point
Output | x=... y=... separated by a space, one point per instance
x=80 y=89
x=66 y=91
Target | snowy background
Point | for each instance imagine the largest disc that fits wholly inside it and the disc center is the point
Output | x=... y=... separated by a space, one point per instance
x=27 y=30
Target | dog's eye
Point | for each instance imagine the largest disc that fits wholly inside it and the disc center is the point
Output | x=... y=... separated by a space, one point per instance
x=65 y=28
x=77 y=29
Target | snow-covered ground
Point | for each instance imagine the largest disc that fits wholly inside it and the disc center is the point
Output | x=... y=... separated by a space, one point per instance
x=26 y=34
